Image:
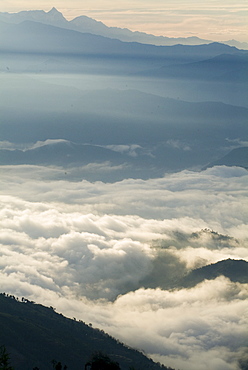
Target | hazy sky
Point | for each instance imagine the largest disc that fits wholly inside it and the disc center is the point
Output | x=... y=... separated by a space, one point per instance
x=215 y=20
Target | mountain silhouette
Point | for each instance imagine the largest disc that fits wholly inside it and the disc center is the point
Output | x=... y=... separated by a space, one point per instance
x=86 y=24
x=32 y=36
x=34 y=335
x=236 y=157
x=235 y=270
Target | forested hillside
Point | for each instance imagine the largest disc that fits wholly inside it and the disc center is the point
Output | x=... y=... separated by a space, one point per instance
x=37 y=336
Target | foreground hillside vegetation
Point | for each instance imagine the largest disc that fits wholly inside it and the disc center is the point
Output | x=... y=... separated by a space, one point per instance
x=36 y=336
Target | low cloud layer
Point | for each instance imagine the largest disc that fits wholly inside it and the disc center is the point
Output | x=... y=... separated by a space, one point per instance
x=109 y=253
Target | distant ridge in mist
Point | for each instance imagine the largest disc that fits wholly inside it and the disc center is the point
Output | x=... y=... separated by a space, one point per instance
x=236 y=157
x=235 y=270
x=140 y=121
x=86 y=24
x=224 y=67
x=36 y=37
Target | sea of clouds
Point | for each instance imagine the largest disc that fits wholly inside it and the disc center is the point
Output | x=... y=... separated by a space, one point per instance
x=108 y=254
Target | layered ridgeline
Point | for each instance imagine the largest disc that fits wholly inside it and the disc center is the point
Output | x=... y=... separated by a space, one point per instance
x=85 y=24
x=49 y=33
x=137 y=134
x=72 y=98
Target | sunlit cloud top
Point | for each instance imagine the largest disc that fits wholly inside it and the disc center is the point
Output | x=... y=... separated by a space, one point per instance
x=212 y=20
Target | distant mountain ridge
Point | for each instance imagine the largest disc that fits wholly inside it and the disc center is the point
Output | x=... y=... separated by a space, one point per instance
x=235 y=270
x=32 y=46
x=159 y=147
x=172 y=134
x=224 y=67
x=86 y=24
x=236 y=157
x=32 y=36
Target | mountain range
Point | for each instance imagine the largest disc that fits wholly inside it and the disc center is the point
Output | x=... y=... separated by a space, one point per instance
x=85 y=124
x=31 y=36
x=85 y=24
x=39 y=42
x=158 y=133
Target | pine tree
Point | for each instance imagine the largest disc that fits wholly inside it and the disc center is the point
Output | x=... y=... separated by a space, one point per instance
x=4 y=359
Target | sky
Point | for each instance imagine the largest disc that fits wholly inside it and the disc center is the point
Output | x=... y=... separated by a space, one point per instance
x=213 y=20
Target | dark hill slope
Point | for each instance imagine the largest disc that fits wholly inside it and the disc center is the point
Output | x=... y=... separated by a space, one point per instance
x=34 y=335
x=237 y=157
x=235 y=270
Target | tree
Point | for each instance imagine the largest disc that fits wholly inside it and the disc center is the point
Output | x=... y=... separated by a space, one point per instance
x=4 y=359
x=58 y=365
x=100 y=361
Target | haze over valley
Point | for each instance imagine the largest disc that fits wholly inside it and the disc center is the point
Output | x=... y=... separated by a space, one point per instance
x=123 y=160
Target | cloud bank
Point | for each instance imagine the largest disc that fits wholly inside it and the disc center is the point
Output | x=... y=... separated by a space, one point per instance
x=108 y=253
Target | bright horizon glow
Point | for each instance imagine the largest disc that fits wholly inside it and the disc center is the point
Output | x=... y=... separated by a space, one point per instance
x=217 y=21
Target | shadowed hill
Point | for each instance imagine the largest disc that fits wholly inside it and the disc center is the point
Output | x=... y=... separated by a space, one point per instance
x=237 y=157
x=34 y=335
x=235 y=270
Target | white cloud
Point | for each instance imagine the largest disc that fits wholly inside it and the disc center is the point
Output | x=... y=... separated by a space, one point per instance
x=106 y=253
x=237 y=142
x=39 y=144
x=177 y=144
x=128 y=149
